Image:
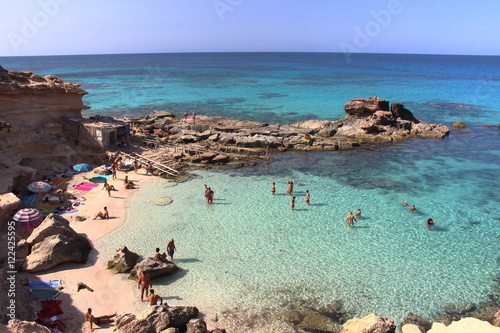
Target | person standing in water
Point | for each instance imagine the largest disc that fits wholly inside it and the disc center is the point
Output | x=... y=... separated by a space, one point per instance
x=308 y=197
x=350 y=219
x=292 y=204
x=273 y=188
x=290 y=188
x=171 y=249
x=358 y=213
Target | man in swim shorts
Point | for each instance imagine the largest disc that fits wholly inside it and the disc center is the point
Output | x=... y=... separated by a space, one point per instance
x=350 y=219
x=143 y=284
x=171 y=249
x=153 y=298
x=98 y=320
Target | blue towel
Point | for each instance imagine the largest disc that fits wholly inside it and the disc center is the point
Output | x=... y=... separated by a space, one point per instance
x=102 y=176
x=28 y=199
x=44 y=284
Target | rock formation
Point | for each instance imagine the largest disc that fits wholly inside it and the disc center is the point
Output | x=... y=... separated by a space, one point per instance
x=32 y=136
x=25 y=302
x=123 y=261
x=52 y=243
x=465 y=325
x=153 y=268
x=156 y=318
x=369 y=324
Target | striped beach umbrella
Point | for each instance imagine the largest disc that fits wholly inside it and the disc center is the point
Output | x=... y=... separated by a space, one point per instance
x=27 y=215
x=82 y=167
x=39 y=187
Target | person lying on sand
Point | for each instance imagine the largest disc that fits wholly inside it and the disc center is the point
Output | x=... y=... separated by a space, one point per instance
x=98 y=320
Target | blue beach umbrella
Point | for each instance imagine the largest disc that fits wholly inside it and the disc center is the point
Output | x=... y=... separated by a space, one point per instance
x=82 y=167
x=39 y=187
x=27 y=215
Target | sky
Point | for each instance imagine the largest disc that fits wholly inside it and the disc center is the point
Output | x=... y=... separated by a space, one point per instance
x=66 y=27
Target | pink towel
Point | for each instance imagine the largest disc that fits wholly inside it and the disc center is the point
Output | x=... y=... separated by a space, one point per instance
x=84 y=188
x=89 y=184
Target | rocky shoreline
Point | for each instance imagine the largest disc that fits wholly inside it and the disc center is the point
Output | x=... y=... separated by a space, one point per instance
x=33 y=140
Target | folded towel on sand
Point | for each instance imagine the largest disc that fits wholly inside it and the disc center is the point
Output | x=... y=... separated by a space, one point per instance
x=44 y=284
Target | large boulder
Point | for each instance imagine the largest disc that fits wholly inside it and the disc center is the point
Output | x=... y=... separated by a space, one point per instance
x=153 y=267
x=496 y=319
x=196 y=325
x=422 y=324
x=157 y=318
x=55 y=250
x=316 y=322
x=55 y=224
x=124 y=260
x=8 y=204
x=365 y=106
x=19 y=326
x=369 y=324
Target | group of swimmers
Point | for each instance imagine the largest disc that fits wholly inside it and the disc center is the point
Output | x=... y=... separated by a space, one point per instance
x=290 y=192
x=429 y=223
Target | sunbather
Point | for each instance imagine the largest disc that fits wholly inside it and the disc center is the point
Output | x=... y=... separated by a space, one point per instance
x=98 y=320
x=103 y=216
x=130 y=185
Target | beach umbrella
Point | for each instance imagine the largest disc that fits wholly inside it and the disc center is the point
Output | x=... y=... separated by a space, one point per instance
x=27 y=215
x=82 y=167
x=39 y=187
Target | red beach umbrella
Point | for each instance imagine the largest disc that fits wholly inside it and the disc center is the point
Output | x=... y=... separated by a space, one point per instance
x=27 y=215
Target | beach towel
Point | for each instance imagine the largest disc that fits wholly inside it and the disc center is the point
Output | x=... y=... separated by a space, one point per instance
x=50 y=308
x=96 y=180
x=28 y=199
x=61 y=212
x=102 y=176
x=90 y=184
x=45 y=293
x=57 y=182
x=44 y=209
x=84 y=188
x=44 y=284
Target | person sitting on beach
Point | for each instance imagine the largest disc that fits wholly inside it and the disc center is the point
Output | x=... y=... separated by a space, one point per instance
x=60 y=195
x=103 y=216
x=143 y=283
x=98 y=320
x=171 y=248
x=307 y=137
x=129 y=185
x=149 y=169
x=350 y=219
x=51 y=323
x=160 y=256
x=153 y=298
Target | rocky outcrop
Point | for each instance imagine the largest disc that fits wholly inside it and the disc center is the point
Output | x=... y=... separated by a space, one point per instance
x=421 y=324
x=156 y=318
x=196 y=325
x=464 y=325
x=459 y=124
x=496 y=319
x=52 y=243
x=123 y=261
x=20 y=326
x=153 y=268
x=369 y=324
x=8 y=204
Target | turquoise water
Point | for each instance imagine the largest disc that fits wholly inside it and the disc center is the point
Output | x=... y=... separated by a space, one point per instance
x=249 y=252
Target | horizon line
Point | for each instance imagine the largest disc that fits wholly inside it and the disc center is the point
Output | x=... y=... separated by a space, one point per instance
x=249 y=52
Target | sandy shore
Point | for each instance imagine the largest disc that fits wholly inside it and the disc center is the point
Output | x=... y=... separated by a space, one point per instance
x=112 y=292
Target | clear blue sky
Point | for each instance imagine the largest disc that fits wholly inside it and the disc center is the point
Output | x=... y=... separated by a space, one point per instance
x=59 y=27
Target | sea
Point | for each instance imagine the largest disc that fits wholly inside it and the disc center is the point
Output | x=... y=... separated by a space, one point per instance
x=248 y=256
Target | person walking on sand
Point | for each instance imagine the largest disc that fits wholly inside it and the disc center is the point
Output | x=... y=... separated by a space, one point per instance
x=153 y=298
x=273 y=188
x=350 y=219
x=98 y=320
x=103 y=216
x=308 y=197
x=143 y=284
x=171 y=249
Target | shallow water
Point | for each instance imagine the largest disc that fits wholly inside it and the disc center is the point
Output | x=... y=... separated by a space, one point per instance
x=251 y=251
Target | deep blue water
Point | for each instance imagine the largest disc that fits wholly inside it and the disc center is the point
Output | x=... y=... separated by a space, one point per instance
x=454 y=180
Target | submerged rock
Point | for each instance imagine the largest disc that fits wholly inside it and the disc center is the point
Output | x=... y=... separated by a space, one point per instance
x=161 y=200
